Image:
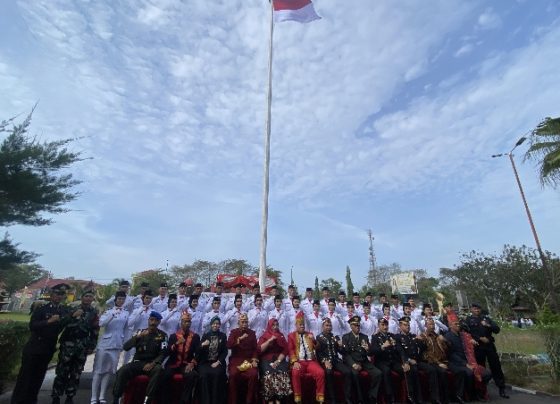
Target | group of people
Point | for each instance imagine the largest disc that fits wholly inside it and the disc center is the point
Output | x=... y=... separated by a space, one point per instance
x=262 y=346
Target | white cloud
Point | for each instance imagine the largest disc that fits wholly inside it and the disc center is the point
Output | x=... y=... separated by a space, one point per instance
x=489 y=20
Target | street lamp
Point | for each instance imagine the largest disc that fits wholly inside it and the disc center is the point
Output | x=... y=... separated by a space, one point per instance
x=510 y=155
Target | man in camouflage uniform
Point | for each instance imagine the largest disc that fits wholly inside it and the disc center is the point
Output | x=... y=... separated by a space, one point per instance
x=77 y=341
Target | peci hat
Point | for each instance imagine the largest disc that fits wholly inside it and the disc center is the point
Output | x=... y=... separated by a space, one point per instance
x=354 y=320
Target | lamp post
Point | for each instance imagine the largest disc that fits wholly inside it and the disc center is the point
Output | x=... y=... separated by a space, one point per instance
x=535 y=235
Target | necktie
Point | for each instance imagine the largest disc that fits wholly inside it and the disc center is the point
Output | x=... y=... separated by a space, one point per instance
x=366 y=317
x=304 y=349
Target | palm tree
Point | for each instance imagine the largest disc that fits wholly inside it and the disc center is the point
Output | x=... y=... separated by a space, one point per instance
x=545 y=147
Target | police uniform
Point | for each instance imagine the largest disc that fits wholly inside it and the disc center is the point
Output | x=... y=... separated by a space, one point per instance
x=77 y=341
x=409 y=352
x=39 y=350
x=386 y=358
x=486 y=351
x=327 y=350
x=356 y=349
x=150 y=348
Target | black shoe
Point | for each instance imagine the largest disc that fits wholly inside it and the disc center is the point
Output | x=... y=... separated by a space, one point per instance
x=459 y=400
x=69 y=400
x=503 y=393
x=55 y=400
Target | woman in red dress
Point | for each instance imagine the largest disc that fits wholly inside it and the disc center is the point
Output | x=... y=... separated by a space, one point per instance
x=275 y=377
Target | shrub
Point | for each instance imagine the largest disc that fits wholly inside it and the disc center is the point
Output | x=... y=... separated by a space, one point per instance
x=13 y=336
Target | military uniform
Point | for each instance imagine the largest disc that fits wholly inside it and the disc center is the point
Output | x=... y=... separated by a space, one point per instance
x=150 y=348
x=38 y=352
x=78 y=339
x=386 y=359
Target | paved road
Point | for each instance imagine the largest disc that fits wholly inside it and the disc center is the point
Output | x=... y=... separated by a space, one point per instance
x=84 y=393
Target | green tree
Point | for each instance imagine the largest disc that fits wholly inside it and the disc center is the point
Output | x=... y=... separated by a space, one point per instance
x=316 y=291
x=237 y=267
x=33 y=182
x=333 y=285
x=349 y=284
x=21 y=275
x=545 y=148
x=501 y=280
x=154 y=277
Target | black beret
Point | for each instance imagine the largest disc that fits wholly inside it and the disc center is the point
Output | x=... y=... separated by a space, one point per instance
x=309 y=289
x=124 y=283
x=60 y=288
x=365 y=304
x=198 y=285
x=163 y=285
x=382 y=295
x=332 y=300
x=120 y=293
x=369 y=294
x=148 y=292
x=382 y=321
x=172 y=296
x=325 y=288
x=144 y=285
x=216 y=299
x=342 y=293
x=258 y=296
x=182 y=285
x=476 y=305
x=355 y=294
x=404 y=319
x=394 y=296
x=291 y=287
x=316 y=302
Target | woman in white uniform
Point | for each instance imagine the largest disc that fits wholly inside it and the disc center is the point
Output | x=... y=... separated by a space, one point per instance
x=171 y=317
x=109 y=348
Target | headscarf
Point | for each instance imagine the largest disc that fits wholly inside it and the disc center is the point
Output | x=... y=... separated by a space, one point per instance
x=214 y=333
x=269 y=332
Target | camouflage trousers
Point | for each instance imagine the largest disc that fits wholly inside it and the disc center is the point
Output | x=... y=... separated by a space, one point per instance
x=71 y=359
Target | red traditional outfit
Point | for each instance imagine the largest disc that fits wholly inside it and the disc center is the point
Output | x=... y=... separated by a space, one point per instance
x=302 y=350
x=468 y=346
x=275 y=381
x=242 y=349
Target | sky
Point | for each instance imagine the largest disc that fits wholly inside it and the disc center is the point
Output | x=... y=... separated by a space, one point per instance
x=383 y=118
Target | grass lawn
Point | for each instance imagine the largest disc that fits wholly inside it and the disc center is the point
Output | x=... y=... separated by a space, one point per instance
x=523 y=341
x=14 y=316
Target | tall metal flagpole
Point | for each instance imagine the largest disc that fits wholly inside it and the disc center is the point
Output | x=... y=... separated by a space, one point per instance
x=264 y=224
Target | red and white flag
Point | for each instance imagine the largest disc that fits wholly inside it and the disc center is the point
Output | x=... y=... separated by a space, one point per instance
x=294 y=10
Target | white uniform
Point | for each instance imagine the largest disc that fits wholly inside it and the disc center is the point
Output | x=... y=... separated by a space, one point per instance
x=128 y=303
x=258 y=320
x=170 y=321
x=307 y=305
x=208 y=317
x=196 y=320
x=393 y=324
x=358 y=309
x=268 y=303
x=341 y=308
x=110 y=344
x=368 y=325
x=183 y=302
x=324 y=306
x=231 y=318
x=397 y=311
x=439 y=326
x=283 y=320
x=159 y=303
x=315 y=323
x=292 y=315
x=338 y=328
x=208 y=308
x=108 y=350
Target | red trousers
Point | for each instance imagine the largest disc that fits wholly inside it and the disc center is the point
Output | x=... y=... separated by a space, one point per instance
x=237 y=378
x=313 y=369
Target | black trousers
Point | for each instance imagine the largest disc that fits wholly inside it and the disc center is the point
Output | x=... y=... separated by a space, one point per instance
x=464 y=379
x=412 y=381
x=130 y=371
x=189 y=383
x=488 y=352
x=30 y=377
x=375 y=377
x=437 y=380
x=212 y=383
x=348 y=380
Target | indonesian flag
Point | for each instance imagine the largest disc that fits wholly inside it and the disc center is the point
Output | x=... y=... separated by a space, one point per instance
x=294 y=10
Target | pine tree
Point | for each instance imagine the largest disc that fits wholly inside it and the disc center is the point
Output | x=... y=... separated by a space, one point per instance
x=349 y=284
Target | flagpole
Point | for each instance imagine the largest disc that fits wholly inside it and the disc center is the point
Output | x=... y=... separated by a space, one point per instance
x=264 y=224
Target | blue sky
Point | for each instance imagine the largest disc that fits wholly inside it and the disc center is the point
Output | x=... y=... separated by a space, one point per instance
x=383 y=117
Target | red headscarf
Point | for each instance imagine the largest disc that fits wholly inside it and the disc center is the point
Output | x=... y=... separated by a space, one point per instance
x=280 y=340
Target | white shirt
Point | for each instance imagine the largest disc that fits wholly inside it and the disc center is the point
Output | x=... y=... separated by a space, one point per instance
x=315 y=323
x=258 y=320
x=283 y=320
x=307 y=305
x=170 y=321
x=368 y=325
x=128 y=303
x=138 y=320
x=115 y=321
x=159 y=303
x=338 y=327
x=304 y=348
x=208 y=317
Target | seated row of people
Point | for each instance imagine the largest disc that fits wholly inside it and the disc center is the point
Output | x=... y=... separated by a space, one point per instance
x=271 y=366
